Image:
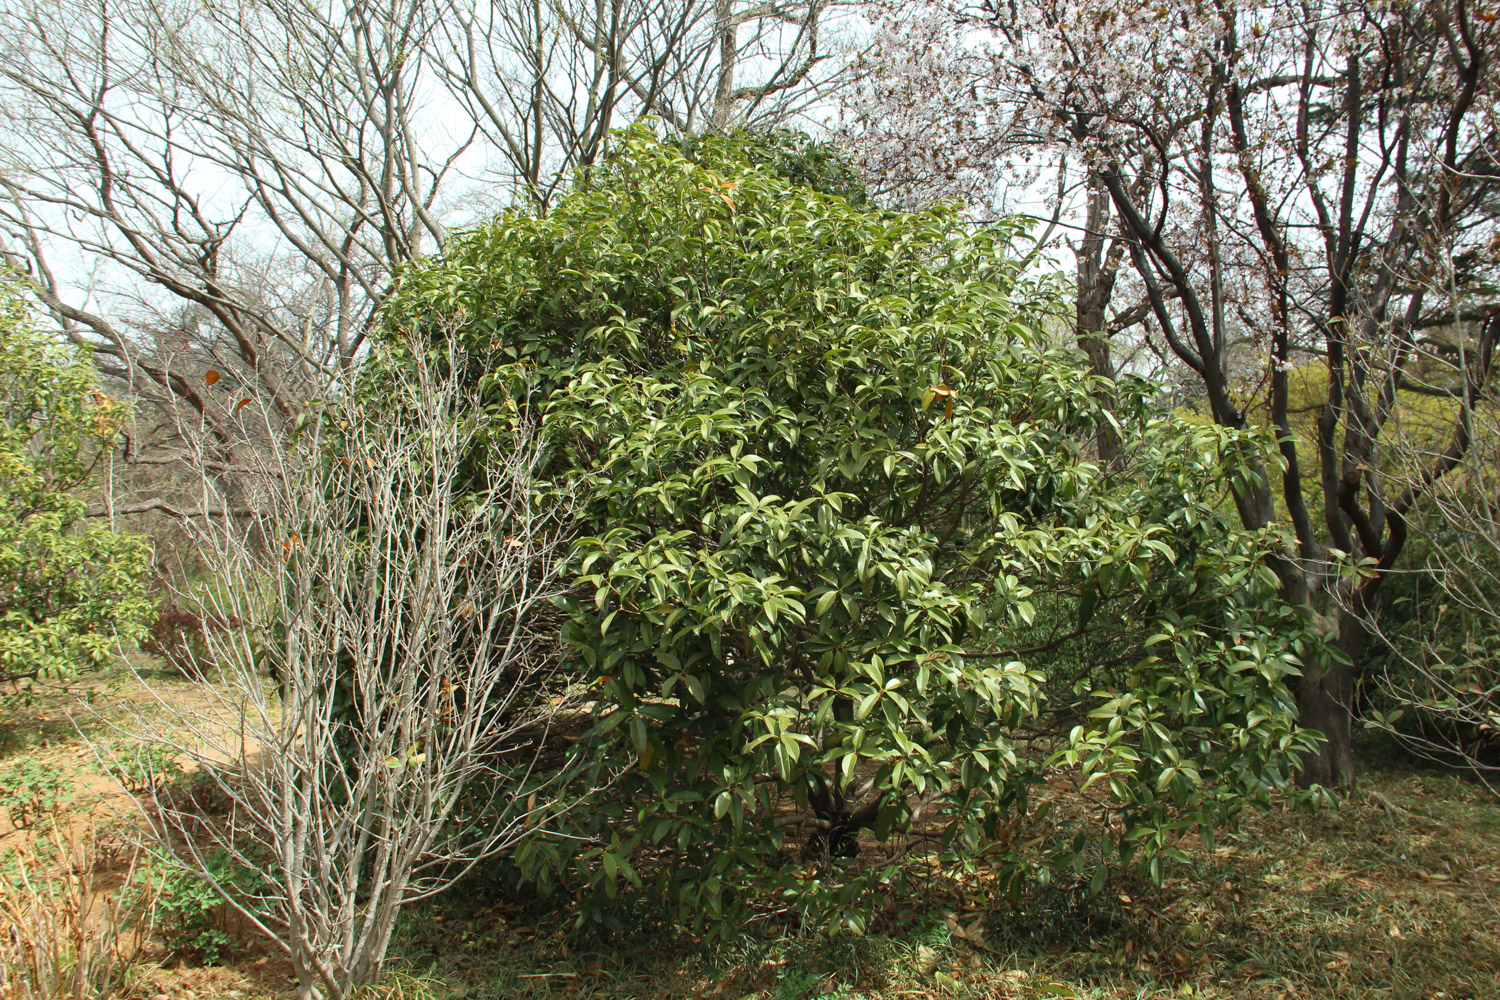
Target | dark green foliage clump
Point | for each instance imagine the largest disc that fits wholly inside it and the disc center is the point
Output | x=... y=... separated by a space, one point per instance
x=799 y=159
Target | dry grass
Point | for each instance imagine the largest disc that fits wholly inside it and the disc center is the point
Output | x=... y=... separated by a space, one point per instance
x=68 y=927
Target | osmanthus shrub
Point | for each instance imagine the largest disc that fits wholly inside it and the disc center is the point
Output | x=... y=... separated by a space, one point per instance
x=849 y=578
x=70 y=588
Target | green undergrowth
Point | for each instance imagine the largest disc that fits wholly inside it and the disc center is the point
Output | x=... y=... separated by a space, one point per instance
x=1395 y=894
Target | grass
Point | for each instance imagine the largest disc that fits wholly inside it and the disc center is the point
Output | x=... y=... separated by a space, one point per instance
x=49 y=714
x=1395 y=894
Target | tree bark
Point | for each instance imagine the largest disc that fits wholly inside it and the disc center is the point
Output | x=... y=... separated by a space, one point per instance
x=1096 y=282
x=1325 y=702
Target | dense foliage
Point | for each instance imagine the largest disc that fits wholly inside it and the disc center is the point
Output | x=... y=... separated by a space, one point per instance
x=849 y=571
x=68 y=586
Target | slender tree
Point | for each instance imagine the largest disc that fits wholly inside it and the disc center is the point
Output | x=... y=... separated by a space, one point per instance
x=390 y=595
x=1297 y=188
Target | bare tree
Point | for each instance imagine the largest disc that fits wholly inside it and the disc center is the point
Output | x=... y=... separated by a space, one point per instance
x=1287 y=183
x=383 y=694
x=229 y=188
x=225 y=189
x=1437 y=647
x=256 y=165
x=544 y=81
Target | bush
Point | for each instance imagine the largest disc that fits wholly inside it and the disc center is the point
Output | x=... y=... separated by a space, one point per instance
x=69 y=588
x=31 y=790
x=189 y=911
x=847 y=571
x=139 y=767
x=180 y=636
x=1434 y=673
x=395 y=742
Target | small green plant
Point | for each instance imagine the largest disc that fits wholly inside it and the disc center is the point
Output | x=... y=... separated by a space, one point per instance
x=141 y=767
x=30 y=789
x=187 y=911
x=796 y=984
x=191 y=917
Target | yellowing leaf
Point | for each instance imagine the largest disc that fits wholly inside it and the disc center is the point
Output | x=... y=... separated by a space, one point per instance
x=942 y=392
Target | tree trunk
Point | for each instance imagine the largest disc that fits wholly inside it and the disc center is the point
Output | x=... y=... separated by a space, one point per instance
x=1325 y=702
x=840 y=823
x=1095 y=287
